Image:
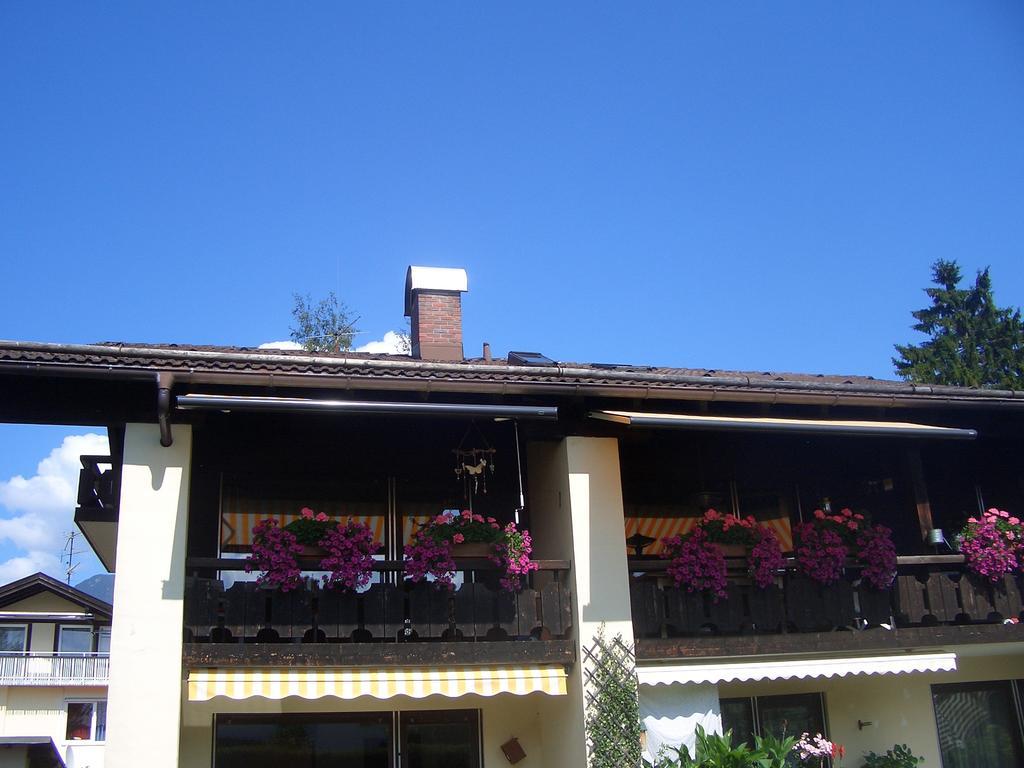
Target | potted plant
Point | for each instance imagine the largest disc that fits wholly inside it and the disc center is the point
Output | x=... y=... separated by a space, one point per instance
x=993 y=544
x=815 y=750
x=350 y=548
x=733 y=535
x=274 y=553
x=698 y=557
x=697 y=563
x=309 y=528
x=346 y=551
x=824 y=544
x=466 y=534
x=900 y=756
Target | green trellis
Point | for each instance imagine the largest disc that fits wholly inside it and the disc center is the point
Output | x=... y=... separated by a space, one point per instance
x=613 y=713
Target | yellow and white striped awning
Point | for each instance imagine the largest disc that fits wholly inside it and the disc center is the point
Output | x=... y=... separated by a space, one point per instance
x=205 y=684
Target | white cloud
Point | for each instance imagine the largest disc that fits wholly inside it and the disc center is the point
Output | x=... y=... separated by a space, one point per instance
x=39 y=510
x=391 y=344
x=34 y=562
x=280 y=345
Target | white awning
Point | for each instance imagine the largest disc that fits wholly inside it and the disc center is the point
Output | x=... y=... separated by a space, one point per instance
x=452 y=682
x=667 y=674
x=801 y=426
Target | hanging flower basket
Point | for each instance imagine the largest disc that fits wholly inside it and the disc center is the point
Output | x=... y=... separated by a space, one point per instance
x=464 y=534
x=345 y=551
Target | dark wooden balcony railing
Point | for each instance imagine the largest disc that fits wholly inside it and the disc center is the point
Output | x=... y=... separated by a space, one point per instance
x=96 y=485
x=928 y=592
x=389 y=611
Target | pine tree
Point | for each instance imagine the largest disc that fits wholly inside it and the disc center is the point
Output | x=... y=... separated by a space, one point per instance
x=973 y=343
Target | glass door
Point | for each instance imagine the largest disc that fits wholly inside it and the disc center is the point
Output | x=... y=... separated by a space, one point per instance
x=434 y=739
x=361 y=740
x=442 y=739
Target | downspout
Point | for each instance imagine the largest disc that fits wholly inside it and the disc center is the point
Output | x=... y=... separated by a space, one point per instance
x=164 y=382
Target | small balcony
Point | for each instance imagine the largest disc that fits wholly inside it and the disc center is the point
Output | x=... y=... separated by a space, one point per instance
x=391 y=622
x=934 y=601
x=54 y=669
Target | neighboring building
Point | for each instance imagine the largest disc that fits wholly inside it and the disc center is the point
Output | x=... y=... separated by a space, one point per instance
x=54 y=666
x=205 y=441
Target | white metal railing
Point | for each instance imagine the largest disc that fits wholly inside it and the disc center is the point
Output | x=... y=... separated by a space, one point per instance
x=32 y=668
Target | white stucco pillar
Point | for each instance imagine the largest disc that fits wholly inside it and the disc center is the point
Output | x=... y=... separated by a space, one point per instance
x=599 y=538
x=144 y=696
x=576 y=513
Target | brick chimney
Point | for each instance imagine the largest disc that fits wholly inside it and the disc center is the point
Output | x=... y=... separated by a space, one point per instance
x=433 y=299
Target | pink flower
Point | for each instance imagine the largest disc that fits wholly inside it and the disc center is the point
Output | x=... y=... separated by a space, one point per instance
x=467 y=514
x=1014 y=521
x=491 y=520
x=819 y=514
x=321 y=517
x=307 y=513
x=458 y=538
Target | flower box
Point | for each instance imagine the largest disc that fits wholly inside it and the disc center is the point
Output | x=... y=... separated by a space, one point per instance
x=344 y=549
x=431 y=553
x=472 y=549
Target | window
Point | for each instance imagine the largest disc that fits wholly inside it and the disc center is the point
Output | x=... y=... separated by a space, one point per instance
x=979 y=724
x=87 y=721
x=793 y=715
x=75 y=639
x=13 y=638
x=103 y=641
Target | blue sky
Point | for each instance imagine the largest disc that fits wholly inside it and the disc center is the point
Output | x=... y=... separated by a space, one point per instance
x=731 y=185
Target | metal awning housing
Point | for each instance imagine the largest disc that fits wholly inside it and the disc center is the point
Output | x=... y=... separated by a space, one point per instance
x=796 y=426
x=309 y=405
x=786 y=669
x=418 y=683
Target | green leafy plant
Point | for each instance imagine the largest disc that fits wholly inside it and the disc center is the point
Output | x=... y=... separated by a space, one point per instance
x=613 y=711
x=666 y=758
x=899 y=756
x=777 y=751
x=715 y=750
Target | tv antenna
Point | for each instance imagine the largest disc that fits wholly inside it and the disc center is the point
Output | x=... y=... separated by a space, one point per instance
x=68 y=555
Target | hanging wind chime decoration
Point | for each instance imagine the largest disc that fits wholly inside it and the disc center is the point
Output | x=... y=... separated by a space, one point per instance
x=472 y=465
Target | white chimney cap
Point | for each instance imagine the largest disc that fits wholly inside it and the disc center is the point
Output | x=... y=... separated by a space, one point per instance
x=433 y=279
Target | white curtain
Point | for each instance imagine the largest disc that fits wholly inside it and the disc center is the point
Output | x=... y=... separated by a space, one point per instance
x=671 y=714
